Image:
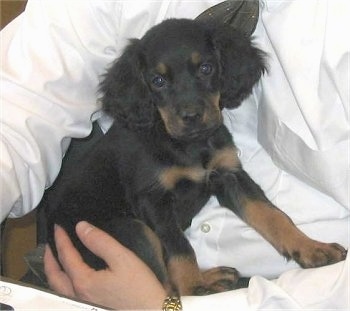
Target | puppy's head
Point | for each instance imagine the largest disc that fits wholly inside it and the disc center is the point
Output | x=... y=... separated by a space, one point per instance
x=183 y=72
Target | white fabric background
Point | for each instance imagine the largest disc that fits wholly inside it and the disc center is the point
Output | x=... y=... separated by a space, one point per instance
x=293 y=132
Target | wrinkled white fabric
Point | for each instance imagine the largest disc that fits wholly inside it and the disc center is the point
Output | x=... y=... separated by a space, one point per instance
x=292 y=133
x=312 y=289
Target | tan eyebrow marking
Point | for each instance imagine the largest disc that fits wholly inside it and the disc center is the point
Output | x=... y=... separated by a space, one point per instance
x=196 y=57
x=162 y=68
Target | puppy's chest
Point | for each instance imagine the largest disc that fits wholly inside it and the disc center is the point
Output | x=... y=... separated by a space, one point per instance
x=184 y=174
x=184 y=169
x=192 y=164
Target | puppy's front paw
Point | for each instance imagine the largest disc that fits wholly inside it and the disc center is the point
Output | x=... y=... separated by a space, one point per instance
x=317 y=254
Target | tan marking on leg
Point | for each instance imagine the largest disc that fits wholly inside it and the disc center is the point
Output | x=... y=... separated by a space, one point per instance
x=158 y=251
x=277 y=228
x=155 y=242
x=169 y=177
x=274 y=225
x=185 y=274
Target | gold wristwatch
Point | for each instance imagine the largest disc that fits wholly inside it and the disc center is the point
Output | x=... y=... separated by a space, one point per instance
x=172 y=304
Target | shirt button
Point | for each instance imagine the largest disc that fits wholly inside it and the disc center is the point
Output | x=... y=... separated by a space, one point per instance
x=205 y=227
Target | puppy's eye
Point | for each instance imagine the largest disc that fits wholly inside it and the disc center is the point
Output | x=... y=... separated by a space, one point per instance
x=206 y=69
x=158 y=81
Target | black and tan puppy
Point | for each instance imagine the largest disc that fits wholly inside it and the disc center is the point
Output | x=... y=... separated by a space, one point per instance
x=168 y=152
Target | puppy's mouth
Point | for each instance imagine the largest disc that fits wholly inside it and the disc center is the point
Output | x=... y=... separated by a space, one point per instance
x=180 y=131
x=198 y=134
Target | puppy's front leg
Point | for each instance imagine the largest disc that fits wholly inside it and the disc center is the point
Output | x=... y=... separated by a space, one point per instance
x=237 y=191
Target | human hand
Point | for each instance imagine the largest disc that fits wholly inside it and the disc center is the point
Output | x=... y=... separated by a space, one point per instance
x=127 y=282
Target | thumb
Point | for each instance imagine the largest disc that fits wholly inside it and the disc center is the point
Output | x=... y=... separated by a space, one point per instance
x=101 y=243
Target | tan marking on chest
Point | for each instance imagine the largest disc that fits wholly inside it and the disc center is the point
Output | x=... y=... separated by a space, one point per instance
x=225 y=158
x=169 y=177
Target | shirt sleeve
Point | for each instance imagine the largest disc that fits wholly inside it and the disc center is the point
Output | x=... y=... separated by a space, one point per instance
x=52 y=58
x=303 y=118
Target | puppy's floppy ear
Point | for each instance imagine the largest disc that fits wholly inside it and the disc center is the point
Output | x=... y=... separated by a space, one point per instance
x=241 y=64
x=125 y=95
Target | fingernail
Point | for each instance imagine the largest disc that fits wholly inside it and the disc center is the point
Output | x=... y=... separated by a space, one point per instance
x=84 y=227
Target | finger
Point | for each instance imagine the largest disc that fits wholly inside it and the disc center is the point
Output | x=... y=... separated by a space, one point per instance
x=57 y=279
x=51 y=265
x=101 y=243
x=68 y=255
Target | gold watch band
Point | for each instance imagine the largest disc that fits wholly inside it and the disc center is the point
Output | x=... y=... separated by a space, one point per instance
x=172 y=304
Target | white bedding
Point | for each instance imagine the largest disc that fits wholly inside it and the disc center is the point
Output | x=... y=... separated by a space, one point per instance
x=325 y=288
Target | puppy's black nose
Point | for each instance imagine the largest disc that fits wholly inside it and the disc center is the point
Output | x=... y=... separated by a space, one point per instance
x=190 y=116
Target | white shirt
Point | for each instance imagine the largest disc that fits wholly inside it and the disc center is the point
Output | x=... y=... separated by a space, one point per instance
x=293 y=132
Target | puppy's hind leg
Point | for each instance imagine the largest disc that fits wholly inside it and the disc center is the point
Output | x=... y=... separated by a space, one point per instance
x=139 y=238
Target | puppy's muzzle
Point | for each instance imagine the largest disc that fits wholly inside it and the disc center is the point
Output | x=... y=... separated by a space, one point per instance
x=187 y=121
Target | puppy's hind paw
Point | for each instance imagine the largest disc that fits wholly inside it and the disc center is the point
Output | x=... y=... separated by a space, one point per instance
x=221 y=279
